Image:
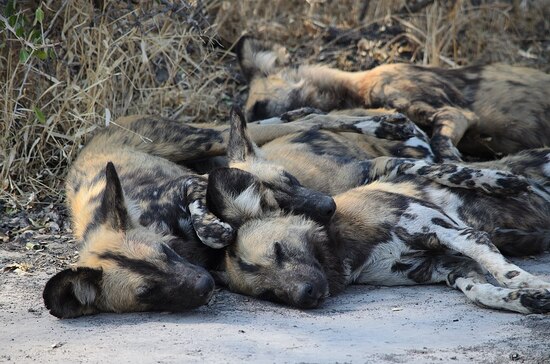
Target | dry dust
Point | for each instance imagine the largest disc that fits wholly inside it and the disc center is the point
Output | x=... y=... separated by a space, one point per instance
x=422 y=324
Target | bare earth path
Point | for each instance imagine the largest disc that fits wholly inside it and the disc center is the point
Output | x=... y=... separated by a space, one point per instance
x=365 y=324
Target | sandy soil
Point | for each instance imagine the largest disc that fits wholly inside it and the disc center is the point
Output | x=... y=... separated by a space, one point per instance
x=363 y=325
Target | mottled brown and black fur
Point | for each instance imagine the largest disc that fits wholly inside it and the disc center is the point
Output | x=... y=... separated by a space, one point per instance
x=487 y=110
x=403 y=229
x=314 y=154
x=142 y=219
x=336 y=164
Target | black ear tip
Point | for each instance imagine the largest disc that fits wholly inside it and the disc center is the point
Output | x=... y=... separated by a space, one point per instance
x=241 y=43
x=56 y=291
x=59 y=296
x=110 y=169
x=112 y=177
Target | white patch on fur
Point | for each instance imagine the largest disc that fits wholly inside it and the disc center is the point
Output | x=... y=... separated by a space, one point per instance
x=194 y=208
x=367 y=127
x=265 y=61
x=444 y=198
x=249 y=202
x=271 y=121
x=84 y=292
x=546 y=167
x=416 y=142
x=377 y=268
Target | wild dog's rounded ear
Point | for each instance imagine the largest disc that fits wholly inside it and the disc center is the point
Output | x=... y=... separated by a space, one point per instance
x=71 y=293
x=240 y=145
x=113 y=207
x=259 y=58
x=234 y=195
x=209 y=228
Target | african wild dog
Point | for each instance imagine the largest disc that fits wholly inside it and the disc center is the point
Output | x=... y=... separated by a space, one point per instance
x=348 y=156
x=482 y=184
x=485 y=110
x=391 y=146
x=327 y=154
x=401 y=231
x=143 y=224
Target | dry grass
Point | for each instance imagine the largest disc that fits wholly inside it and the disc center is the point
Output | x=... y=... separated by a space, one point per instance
x=171 y=58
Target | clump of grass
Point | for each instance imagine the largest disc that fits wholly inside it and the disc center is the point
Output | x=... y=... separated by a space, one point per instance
x=111 y=61
x=173 y=57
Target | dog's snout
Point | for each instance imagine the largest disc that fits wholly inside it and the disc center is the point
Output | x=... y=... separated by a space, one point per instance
x=327 y=207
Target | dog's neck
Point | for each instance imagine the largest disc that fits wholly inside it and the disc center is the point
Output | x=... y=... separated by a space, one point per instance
x=349 y=250
x=330 y=89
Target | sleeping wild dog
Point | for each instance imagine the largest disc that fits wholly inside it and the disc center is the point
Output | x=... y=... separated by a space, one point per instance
x=403 y=230
x=146 y=233
x=486 y=110
x=348 y=153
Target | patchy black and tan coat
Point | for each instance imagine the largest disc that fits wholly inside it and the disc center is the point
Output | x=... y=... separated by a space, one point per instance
x=403 y=230
x=486 y=110
x=141 y=217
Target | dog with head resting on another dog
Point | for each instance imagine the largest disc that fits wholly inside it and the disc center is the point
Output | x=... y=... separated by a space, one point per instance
x=147 y=236
x=402 y=229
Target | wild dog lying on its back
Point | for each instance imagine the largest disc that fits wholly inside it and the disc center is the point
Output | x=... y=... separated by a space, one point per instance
x=144 y=226
x=494 y=109
x=402 y=231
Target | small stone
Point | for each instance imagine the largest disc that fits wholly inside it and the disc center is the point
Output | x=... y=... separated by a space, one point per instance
x=53 y=226
x=57 y=345
x=515 y=356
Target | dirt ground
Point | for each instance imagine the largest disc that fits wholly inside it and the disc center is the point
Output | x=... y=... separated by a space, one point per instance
x=363 y=325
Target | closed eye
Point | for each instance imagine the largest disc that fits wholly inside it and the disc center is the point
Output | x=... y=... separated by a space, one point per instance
x=171 y=256
x=279 y=256
x=292 y=181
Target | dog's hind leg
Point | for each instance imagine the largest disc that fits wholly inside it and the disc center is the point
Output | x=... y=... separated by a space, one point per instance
x=426 y=219
x=523 y=300
x=466 y=275
x=393 y=126
x=430 y=266
x=531 y=163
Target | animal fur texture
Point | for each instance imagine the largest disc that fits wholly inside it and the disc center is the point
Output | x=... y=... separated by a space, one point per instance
x=486 y=111
x=141 y=216
x=402 y=229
